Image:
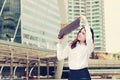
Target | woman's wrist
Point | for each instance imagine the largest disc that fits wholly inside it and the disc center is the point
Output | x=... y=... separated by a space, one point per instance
x=59 y=41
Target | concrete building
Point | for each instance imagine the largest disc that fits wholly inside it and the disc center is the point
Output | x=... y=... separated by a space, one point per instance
x=94 y=10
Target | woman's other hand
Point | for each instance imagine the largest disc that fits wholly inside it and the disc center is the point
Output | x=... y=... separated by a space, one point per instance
x=60 y=40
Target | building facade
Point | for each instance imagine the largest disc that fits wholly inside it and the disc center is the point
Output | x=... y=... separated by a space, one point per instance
x=10 y=13
x=94 y=10
x=30 y=22
x=40 y=23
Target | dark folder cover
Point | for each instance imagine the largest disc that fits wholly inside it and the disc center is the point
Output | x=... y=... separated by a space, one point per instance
x=69 y=28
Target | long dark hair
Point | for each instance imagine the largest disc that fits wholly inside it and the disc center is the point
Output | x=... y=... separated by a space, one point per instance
x=74 y=42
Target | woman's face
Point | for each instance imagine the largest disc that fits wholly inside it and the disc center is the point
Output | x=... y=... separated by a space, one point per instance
x=82 y=35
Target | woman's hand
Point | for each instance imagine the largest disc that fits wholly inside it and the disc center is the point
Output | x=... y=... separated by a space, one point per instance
x=60 y=40
x=84 y=19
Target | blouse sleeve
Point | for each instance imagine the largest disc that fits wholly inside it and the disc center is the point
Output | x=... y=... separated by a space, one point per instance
x=62 y=53
x=89 y=40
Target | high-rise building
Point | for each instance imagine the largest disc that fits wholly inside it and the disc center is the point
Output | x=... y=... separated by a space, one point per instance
x=40 y=21
x=94 y=10
x=10 y=13
x=30 y=22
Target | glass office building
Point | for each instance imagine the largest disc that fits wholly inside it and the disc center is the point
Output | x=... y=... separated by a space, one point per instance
x=30 y=22
x=9 y=16
x=40 y=23
x=94 y=10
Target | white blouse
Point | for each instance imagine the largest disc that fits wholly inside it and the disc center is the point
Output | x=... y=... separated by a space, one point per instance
x=78 y=56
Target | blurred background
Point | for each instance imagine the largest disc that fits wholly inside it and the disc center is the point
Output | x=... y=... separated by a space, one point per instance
x=28 y=37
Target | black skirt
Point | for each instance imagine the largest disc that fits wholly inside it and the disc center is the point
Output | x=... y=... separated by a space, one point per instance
x=80 y=74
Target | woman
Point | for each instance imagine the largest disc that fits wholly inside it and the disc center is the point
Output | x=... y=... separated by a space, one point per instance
x=78 y=52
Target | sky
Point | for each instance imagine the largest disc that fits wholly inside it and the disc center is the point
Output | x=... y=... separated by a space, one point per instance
x=112 y=25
